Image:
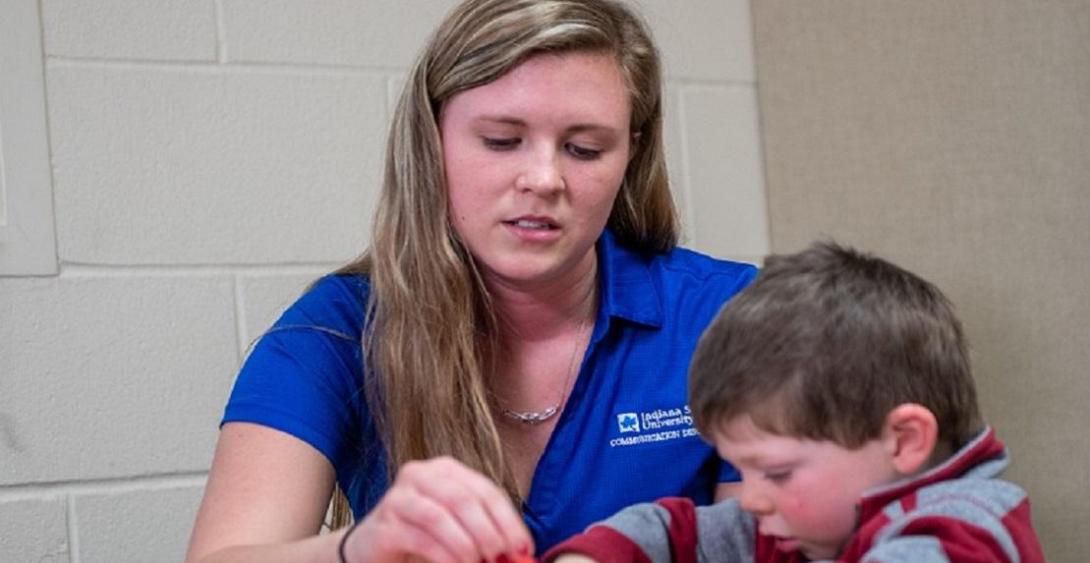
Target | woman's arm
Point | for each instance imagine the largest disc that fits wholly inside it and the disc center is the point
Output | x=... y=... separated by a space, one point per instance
x=268 y=492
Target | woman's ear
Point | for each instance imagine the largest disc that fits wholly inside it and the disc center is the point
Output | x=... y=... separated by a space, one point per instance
x=910 y=434
x=633 y=144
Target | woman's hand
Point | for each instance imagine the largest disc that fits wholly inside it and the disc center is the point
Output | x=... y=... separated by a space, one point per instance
x=439 y=510
x=267 y=495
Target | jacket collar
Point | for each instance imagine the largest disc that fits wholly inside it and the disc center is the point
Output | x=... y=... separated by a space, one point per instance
x=983 y=457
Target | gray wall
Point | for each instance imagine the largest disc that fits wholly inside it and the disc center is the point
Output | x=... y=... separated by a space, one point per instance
x=208 y=158
x=952 y=137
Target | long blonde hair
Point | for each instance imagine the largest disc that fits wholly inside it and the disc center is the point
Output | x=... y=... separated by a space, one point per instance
x=431 y=330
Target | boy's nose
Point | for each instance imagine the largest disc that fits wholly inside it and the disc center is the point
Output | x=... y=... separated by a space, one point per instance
x=751 y=500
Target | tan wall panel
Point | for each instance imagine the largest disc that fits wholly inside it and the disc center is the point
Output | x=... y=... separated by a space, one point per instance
x=953 y=137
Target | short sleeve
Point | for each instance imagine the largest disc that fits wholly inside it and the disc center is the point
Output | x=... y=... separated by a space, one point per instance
x=304 y=375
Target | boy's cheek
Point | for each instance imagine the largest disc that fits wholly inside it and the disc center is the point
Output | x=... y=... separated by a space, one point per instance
x=817 y=519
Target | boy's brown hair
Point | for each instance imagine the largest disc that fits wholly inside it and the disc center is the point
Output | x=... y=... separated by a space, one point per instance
x=825 y=343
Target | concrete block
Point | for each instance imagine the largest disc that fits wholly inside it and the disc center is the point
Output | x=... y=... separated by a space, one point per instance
x=34 y=530
x=121 y=29
x=372 y=34
x=112 y=376
x=703 y=39
x=728 y=207
x=183 y=166
x=264 y=298
x=139 y=525
x=676 y=166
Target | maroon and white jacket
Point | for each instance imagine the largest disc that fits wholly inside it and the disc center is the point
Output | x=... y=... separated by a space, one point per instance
x=957 y=511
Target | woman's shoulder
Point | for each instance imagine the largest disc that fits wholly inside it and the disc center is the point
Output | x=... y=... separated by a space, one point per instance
x=334 y=303
x=340 y=288
x=676 y=276
x=691 y=263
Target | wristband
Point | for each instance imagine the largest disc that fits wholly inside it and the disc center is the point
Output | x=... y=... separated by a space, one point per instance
x=344 y=540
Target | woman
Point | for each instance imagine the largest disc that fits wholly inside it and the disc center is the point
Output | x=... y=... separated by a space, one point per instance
x=519 y=329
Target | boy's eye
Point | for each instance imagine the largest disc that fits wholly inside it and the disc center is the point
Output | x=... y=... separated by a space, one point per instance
x=582 y=153
x=778 y=476
x=501 y=144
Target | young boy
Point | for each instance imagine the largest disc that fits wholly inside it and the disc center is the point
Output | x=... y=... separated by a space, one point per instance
x=839 y=385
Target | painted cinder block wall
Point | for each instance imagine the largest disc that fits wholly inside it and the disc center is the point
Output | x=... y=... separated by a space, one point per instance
x=209 y=158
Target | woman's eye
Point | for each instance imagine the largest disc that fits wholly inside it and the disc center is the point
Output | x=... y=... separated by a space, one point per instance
x=501 y=144
x=582 y=153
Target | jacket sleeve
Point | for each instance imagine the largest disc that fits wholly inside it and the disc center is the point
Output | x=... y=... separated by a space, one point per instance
x=667 y=530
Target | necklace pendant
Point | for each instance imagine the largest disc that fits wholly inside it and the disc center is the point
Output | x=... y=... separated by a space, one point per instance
x=532 y=418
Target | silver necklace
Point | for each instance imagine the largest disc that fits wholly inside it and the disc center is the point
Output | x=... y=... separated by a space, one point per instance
x=533 y=418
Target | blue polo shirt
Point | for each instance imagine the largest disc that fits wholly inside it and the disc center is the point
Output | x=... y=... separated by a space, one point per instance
x=625 y=434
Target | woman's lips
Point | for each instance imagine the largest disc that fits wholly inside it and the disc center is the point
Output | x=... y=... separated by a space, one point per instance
x=533 y=222
x=534 y=229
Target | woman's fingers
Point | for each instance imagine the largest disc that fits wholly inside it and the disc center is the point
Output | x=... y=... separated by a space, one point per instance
x=434 y=524
x=383 y=539
x=478 y=506
x=441 y=510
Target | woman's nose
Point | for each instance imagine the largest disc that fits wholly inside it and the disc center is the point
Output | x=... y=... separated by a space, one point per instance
x=541 y=173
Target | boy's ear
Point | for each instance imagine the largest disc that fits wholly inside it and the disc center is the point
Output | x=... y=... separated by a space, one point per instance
x=910 y=434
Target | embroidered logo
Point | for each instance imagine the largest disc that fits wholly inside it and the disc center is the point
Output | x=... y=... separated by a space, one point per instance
x=658 y=425
x=628 y=422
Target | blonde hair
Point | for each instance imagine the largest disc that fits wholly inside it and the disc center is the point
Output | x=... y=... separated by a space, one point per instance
x=431 y=334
